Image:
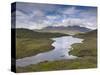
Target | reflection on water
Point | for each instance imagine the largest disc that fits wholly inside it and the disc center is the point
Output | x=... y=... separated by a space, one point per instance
x=61 y=51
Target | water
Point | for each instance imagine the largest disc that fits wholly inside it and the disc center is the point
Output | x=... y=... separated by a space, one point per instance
x=61 y=51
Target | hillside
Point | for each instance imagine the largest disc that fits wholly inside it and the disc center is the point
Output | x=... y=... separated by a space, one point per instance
x=26 y=33
x=90 y=34
x=88 y=47
x=67 y=30
x=29 y=42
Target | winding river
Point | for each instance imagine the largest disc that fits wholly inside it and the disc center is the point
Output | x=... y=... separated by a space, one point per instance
x=61 y=51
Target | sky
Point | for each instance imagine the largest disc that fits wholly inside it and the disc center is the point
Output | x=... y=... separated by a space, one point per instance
x=38 y=16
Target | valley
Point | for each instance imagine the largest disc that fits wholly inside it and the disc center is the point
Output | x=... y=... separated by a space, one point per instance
x=33 y=44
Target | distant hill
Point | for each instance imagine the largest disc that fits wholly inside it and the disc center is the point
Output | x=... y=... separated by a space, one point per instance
x=90 y=34
x=67 y=30
x=26 y=33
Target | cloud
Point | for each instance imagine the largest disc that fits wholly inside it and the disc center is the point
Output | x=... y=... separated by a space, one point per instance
x=70 y=11
x=75 y=22
x=80 y=22
x=38 y=16
x=52 y=17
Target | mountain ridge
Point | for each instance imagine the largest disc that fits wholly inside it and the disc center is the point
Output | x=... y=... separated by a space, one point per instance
x=68 y=30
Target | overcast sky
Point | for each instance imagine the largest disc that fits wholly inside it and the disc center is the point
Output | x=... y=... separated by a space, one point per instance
x=38 y=16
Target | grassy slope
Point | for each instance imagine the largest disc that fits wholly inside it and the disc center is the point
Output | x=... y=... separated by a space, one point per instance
x=87 y=52
x=27 y=47
x=88 y=47
x=30 y=43
x=25 y=33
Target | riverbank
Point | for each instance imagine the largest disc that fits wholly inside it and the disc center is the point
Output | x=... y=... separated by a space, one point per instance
x=29 y=42
x=88 y=47
x=29 y=47
x=61 y=50
x=83 y=63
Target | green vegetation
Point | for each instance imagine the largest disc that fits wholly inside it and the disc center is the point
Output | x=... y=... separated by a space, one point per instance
x=25 y=33
x=28 y=47
x=88 y=47
x=83 y=63
x=30 y=43
x=86 y=51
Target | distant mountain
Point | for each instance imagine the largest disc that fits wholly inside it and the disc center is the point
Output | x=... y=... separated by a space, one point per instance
x=68 y=30
x=82 y=29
